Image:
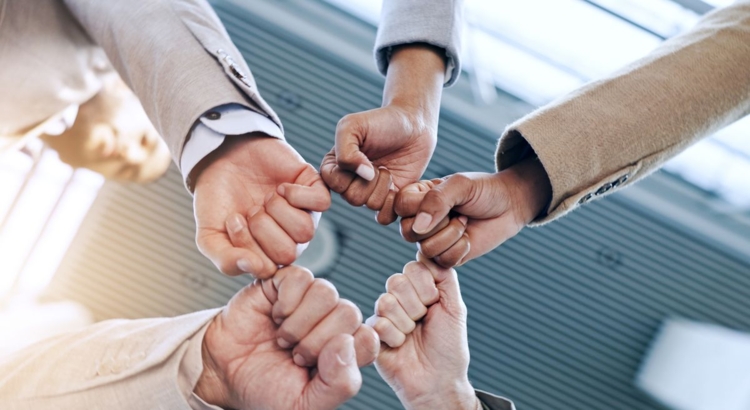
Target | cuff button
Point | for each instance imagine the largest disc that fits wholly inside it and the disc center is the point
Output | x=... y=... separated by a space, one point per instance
x=213 y=115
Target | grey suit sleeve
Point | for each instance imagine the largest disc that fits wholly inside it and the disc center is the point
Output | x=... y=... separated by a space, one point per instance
x=492 y=402
x=436 y=22
x=117 y=364
x=177 y=58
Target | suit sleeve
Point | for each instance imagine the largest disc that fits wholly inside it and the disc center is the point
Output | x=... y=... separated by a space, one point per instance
x=177 y=58
x=117 y=364
x=613 y=132
x=492 y=402
x=438 y=23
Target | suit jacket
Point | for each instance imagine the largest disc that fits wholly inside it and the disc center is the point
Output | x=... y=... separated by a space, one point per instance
x=174 y=54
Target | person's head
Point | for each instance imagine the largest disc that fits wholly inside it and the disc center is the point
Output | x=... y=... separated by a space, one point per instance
x=113 y=136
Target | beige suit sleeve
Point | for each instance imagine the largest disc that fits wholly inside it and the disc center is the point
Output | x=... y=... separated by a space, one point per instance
x=117 y=364
x=615 y=131
x=177 y=58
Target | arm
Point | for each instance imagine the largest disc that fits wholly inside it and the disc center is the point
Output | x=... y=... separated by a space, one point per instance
x=381 y=150
x=179 y=60
x=592 y=142
x=619 y=129
x=424 y=354
x=206 y=359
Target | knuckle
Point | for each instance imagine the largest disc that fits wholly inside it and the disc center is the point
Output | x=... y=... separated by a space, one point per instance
x=325 y=291
x=386 y=304
x=381 y=326
x=349 y=312
x=428 y=249
x=299 y=274
x=397 y=283
x=286 y=255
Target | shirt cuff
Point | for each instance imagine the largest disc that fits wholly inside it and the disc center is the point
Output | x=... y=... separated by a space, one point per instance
x=215 y=125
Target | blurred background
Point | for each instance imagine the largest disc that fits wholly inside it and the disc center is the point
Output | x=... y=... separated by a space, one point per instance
x=560 y=317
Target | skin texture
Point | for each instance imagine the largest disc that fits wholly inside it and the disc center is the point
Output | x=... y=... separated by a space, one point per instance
x=424 y=355
x=245 y=366
x=255 y=202
x=113 y=136
x=399 y=137
x=487 y=210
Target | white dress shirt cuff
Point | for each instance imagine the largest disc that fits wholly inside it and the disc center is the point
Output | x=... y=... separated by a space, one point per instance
x=215 y=125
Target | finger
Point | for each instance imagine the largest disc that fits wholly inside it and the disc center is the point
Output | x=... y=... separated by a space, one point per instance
x=423 y=283
x=400 y=286
x=380 y=193
x=387 y=215
x=438 y=202
x=387 y=306
x=359 y=190
x=273 y=240
x=350 y=133
x=407 y=229
x=455 y=254
x=338 y=378
x=446 y=281
x=366 y=344
x=297 y=223
x=310 y=198
x=345 y=318
x=444 y=239
x=319 y=300
x=410 y=197
x=234 y=261
x=335 y=177
x=291 y=284
x=387 y=331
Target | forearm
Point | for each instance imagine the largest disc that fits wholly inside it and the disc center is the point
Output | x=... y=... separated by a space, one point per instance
x=415 y=81
x=453 y=396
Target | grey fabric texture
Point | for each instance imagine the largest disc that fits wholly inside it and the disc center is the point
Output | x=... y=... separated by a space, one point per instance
x=438 y=23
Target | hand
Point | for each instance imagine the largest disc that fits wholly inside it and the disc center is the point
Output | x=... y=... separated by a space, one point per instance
x=381 y=150
x=248 y=363
x=255 y=201
x=424 y=353
x=486 y=210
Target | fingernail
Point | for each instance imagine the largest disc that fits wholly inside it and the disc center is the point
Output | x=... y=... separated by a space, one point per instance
x=463 y=219
x=235 y=223
x=366 y=172
x=422 y=222
x=283 y=343
x=281 y=190
x=299 y=360
x=244 y=265
x=278 y=320
x=346 y=356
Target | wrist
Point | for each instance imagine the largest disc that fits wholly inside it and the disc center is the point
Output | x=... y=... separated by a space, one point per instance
x=457 y=396
x=231 y=142
x=533 y=189
x=212 y=386
x=415 y=78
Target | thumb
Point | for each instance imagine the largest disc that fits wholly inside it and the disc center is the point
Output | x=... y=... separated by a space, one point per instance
x=446 y=281
x=350 y=135
x=437 y=203
x=338 y=378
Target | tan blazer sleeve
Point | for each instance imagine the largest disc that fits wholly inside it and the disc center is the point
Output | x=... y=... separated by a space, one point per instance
x=617 y=130
x=177 y=58
x=117 y=364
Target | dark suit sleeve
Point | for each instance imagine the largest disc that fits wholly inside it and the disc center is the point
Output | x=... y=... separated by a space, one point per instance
x=492 y=402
